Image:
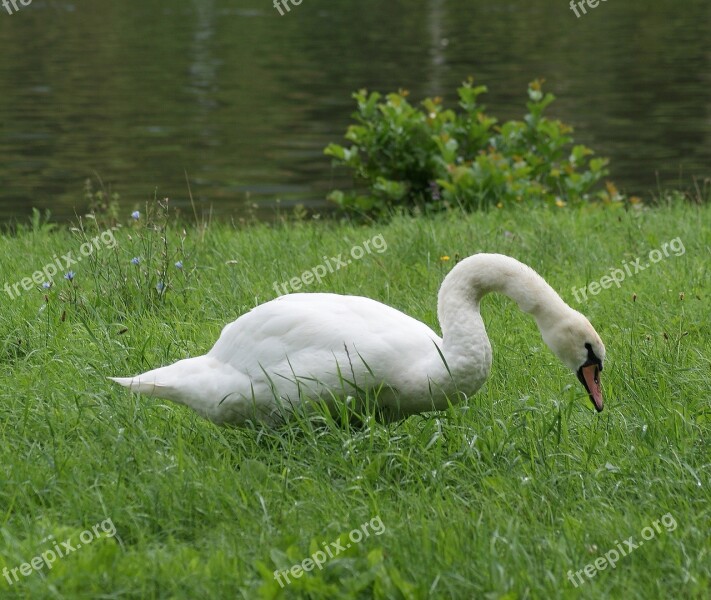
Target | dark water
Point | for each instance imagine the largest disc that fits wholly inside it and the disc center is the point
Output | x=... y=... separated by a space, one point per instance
x=137 y=92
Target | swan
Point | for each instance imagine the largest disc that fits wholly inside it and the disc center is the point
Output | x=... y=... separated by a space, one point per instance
x=329 y=346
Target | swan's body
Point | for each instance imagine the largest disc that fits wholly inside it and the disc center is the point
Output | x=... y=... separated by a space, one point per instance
x=327 y=346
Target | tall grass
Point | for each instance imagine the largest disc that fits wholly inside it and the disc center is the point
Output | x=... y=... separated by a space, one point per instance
x=497 y=498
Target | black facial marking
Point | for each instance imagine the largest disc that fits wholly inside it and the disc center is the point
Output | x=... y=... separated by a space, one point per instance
x=592 y=358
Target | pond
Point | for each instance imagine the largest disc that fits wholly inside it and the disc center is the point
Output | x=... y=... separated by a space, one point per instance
x=141 y=95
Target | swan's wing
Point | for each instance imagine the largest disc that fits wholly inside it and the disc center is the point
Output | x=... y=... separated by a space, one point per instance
x=323 y=340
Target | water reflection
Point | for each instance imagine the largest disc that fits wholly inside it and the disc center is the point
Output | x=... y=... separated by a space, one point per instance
x=243 y=100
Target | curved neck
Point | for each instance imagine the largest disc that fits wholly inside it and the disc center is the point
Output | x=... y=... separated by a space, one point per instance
x=476 y=276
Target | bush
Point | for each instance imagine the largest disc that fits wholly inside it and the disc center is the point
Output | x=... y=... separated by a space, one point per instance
x=433 y=158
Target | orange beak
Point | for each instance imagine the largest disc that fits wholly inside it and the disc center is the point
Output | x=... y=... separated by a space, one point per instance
x=589 y=376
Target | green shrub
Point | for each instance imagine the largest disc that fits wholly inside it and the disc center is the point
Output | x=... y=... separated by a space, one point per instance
x=433 y=158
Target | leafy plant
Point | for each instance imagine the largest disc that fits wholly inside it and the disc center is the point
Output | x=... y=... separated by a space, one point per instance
x=433 y=157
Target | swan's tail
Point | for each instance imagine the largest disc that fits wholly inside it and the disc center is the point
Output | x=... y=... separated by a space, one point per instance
x=172 y=382
x=199 y=382
x=139 y=384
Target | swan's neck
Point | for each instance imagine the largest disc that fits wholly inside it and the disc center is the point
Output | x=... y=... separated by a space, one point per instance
x=463 y=330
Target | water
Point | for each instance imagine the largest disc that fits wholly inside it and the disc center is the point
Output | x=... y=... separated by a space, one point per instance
x=138 y=93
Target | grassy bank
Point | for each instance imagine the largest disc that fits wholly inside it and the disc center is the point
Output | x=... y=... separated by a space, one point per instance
x=500 y=498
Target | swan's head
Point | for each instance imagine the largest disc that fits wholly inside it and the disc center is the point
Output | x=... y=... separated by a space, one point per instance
x=576 y=343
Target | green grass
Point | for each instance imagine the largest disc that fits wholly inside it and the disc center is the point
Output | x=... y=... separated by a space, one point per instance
x=496 y=499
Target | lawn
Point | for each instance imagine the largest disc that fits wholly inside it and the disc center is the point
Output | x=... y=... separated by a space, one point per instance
x=515 y=494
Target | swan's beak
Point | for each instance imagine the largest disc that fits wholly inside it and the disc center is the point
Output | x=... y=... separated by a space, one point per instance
x=589 y=376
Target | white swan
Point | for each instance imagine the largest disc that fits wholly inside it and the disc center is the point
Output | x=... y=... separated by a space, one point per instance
x=329 y=346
